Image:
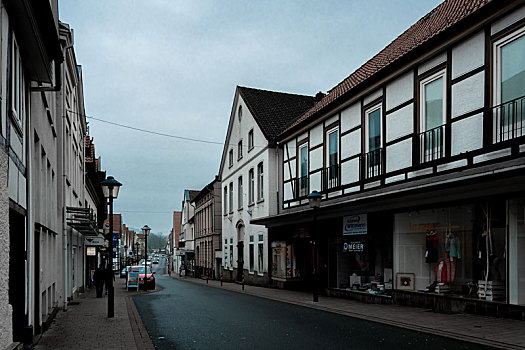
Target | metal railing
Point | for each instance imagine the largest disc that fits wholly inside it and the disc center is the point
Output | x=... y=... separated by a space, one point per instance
x=372 y=163
x=508 y=120
x=301 y=186
x=331 y=177
x=431 y=146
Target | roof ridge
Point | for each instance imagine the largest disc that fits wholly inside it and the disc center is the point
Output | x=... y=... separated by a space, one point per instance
x=273 y=92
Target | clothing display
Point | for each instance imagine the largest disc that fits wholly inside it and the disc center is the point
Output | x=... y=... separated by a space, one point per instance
x=451 y=267
x=441 y=272
x=431 y=251
x=453 y=245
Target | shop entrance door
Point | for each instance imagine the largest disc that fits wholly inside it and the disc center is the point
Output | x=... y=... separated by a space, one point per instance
x=240 y=261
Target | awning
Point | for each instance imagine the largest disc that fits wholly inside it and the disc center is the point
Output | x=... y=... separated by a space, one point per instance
x=83 y=220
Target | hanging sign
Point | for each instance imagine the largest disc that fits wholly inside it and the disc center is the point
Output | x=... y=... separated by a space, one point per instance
x=354 y=225
x=91 y=241
x=91 y=251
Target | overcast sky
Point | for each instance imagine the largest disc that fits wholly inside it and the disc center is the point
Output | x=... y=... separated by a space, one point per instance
x=172 y=67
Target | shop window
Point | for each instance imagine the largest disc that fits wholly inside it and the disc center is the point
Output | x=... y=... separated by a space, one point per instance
x=517 y=252
x=251 y=255
x=509 y=90
x=231 y=253
x=260 y=255
x=279 y=259
x=302 y=171
x=373 y=142
x=457 y=251
x=432 y=116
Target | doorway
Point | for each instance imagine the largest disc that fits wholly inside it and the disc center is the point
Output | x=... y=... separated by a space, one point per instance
x=240 y=252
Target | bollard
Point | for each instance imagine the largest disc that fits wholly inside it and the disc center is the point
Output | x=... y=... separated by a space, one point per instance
x=206 y=280
x=242 y=282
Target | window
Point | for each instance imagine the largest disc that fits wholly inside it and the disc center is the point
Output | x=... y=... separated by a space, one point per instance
x=231 y=158
x=231 y=197
x=302 y=172
x=509 y=90
x=251 y=255
x=432 y=116
x=260 y=255
x=260 y=182
x=231 y=253
x=225 y=200
x=250 y=140
x=17 y=87
x=239 y=114
x=331 y=173
x=239 y=150
x=239 y=192
x=373 y=141
x=251 y=187
x=226 y=253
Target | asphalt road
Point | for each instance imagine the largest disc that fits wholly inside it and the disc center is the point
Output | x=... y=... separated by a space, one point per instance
x=184 y=315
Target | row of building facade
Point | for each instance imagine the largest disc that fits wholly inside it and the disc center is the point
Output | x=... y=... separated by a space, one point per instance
x=52 y=205
x=419 y=157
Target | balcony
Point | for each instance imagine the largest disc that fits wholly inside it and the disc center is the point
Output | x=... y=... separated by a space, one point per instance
x=431 y=146
x=372 y=163
x=508 y=120
x=301 y=187
x=331 y=177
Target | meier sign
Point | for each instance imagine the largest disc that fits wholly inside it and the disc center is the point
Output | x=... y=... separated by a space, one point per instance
x=354 y=225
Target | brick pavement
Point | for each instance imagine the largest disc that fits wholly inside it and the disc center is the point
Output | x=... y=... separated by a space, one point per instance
x=86 y=325
x=495 y=332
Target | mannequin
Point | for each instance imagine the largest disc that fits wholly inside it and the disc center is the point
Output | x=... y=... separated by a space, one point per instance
x=431 y=247
x=452 y=254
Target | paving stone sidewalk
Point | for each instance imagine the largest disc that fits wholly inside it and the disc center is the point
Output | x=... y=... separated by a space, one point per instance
x=86 y=326
x=494 y=332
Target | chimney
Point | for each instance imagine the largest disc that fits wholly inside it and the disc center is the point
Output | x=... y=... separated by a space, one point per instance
x=319 y=96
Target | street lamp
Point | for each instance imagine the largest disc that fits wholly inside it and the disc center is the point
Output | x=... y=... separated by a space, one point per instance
x=145 y=232
x=137 y=252
x=110 y=188
x=314 y=200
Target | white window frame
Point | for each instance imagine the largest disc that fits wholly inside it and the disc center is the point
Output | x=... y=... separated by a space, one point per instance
x=17 y=87
x=422 y=105
x=260 y=181
x=226 y=200
x=230 y=158
x=327 y=148
x=496 y=88
x=260 y=258
x=239 y=193
x=239 y=150
x=300 y=168
x=231 y=197
x=250 y=140
x=368 y=111
x=251 y=255
x=251 y=186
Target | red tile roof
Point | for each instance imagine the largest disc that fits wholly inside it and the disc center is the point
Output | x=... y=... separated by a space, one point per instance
x=436 y=21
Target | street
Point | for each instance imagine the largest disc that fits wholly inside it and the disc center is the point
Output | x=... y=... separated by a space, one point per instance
x=184 y=315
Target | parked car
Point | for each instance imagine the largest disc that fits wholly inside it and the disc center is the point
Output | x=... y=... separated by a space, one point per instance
x=150 y=277
x=124 y=272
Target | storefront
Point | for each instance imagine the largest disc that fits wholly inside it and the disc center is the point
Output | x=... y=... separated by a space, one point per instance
x=463 y=251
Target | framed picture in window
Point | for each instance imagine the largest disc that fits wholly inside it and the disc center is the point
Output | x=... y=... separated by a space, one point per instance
x=405 y=281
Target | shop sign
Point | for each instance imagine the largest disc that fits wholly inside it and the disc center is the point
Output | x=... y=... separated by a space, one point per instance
x=353 y=247
x=92 y=241
x=354 y=225
x=91 y=251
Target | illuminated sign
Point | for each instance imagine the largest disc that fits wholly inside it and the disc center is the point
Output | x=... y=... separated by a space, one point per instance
x=354 y=225
x=353 y=247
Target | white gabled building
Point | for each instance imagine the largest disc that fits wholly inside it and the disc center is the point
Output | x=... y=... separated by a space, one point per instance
x=248 y=172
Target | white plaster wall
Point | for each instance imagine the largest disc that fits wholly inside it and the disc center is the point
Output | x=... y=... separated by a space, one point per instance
x=316 y=135
x=399 y=155
x=331 y=120
x=350 y=171
x=290 y=149
x=373 y=96
x=288 y=194
x=315 y=182
x=351 y=117
x=400 y=90
x=508 y=20
x=468 y=95
x=351 y=144
x=400 y=123
x=468 y=55
x=467 y=134
x=436 y=61
x=316 y=159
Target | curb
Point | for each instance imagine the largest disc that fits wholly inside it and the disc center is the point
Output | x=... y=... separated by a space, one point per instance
x=142 y=338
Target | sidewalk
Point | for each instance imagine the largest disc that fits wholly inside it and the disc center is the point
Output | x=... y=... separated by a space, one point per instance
x=86 y=326
x=490 y=331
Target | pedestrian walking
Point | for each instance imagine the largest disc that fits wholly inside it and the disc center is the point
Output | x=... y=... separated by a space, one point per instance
x=98 y=280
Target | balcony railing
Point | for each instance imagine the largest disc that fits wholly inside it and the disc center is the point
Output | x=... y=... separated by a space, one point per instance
x=301 y=186
x=431 y=144
x=331 y=177
x=508 y=120
x=372 y=163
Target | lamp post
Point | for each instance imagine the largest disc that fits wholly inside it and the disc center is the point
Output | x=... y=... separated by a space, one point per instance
x=314 y=200
x=145 y=231
x=110 y=188
x=137 y=252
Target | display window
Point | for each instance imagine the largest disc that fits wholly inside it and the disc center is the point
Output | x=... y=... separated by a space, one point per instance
x=458 y=251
